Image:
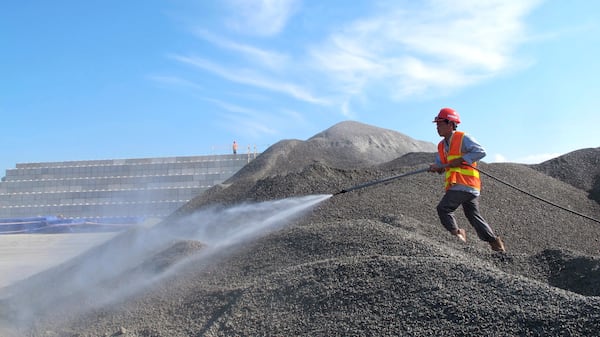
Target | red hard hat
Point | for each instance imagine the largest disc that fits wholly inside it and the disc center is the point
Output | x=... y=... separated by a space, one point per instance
x=448 y=114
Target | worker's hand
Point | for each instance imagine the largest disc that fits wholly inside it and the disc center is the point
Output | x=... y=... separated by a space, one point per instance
x=456 y=162
x=436 y=168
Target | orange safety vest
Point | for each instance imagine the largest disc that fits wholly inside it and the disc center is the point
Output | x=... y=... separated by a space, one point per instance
x=464 y=174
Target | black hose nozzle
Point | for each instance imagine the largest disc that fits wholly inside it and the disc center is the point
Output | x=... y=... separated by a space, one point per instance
x=340 y=192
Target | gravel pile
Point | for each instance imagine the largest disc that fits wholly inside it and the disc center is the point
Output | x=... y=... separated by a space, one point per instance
x=371 y=262
x=345 y=145
x=579 y=168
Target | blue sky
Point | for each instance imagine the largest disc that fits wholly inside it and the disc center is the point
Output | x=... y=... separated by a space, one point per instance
x=131 y=79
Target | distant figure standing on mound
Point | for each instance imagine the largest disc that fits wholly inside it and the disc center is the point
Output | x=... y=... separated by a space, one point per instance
x=457 y=157
x=235 y=147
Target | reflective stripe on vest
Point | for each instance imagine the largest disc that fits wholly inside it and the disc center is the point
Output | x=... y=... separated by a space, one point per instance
x=463 y=175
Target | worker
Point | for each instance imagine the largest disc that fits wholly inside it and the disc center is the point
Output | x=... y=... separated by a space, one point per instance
x=235 y=147
x=457 y=157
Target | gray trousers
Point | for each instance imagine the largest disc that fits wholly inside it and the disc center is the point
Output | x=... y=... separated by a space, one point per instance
x=470 y=204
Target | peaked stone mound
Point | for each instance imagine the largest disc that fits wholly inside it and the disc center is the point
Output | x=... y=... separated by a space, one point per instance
x=347 y=144
x=579 y=168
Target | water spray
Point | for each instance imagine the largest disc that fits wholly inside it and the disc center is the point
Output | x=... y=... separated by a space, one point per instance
x=127 y=264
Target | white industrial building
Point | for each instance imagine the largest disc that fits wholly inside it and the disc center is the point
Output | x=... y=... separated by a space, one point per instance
x=110 y=189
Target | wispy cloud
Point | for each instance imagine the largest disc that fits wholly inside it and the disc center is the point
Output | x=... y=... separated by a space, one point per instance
x=269 y=59
x=261 y=17
x=530 y=159
x=499 y=158
x=236 y=118
x=246 y=127
x=254 y=124
x=429 y=49
x=232 y=107
x=443 y=46
x=250 y=124
x=248 y=77
x=174 y=81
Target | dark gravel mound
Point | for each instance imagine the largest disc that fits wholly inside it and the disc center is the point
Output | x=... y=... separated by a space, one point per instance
x=410 y=159
x=347 y=144
x=579 y=168
x=350 y=142
x=566 y=270
x=372 y=262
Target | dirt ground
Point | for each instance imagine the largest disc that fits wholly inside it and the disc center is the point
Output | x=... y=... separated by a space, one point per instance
x=24 y=255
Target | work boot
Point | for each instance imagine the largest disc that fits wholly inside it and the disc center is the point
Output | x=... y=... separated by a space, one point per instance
x=497 y=245
x=461 y=234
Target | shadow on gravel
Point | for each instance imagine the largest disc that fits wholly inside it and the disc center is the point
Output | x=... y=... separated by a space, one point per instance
x=595 y=192
x=578 y=274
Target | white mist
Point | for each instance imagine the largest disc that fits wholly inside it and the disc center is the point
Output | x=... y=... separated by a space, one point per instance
x=112 y=271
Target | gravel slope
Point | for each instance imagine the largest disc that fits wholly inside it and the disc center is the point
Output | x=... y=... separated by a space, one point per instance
x=579 y=168
x=347 y=144
x=372 y=262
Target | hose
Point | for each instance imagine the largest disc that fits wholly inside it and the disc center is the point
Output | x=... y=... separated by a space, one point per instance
x=371 y=183
x=535 y=196
x=381 y=181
